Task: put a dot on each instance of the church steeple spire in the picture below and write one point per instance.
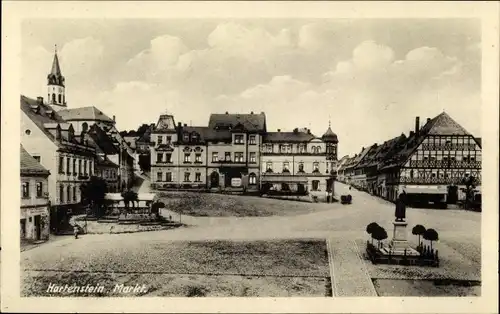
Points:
(55, 84)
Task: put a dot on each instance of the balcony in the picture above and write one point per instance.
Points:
(230, 163)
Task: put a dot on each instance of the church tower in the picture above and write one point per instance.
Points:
(56, 95)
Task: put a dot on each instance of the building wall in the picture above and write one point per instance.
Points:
(68, 179)
(34, 204)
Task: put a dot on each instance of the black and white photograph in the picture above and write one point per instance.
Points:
(250, 157)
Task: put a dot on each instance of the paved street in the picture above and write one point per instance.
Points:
(343, 225)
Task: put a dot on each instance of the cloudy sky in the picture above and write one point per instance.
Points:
(369, 77)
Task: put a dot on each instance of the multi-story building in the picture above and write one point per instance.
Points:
(354, 175)
(233, 150)
(52, 141)
(433, 163)
(299, 161)
(164, 153)
(107, 156)
(34, 199)
(340, 168)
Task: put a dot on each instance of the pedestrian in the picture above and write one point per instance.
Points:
(75, 230)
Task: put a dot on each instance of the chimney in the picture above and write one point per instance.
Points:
(251, 112)
(227, 112)
(39, 100)
(279, 130)
(428, 119)
(114, 118)
(185, 125)
(412, 133)
(417, 125)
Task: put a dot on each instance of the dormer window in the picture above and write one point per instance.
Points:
(194, 137)
(186, 137)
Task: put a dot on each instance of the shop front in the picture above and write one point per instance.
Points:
(34, 223)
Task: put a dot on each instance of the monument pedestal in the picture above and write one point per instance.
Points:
(399, 243)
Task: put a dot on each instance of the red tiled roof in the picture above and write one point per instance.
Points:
(30, 165)
(250, 122)
(90, 113)
(285, 137)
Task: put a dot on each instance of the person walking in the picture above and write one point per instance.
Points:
(75, 230)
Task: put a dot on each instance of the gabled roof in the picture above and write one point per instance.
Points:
(102, 140)
(479, 141)
(30, 165)
(442, 124)
(250, 122)
(105, 161)
(359, 157)
(201, 131)
(90, 113)
(287, 137)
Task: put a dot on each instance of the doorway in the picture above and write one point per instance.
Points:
(214, 179)
(23, 228)
(38, 230)
(452, 194)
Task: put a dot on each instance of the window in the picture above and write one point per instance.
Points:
(269, 166)
(54, 98)
(187, 157)
(74, 193)
(91, 168)
(301, 167)
(186, 176)
(26, 189)
(197, 177)
(197, 158)
(238, 157)
(68, 167)
(253, 157)
(411, 174)
(68, 194)
(159, 176)
(186, 137)
(160, 139)
(285, 148)
(39, 189)
(215, 157)
(85, 167)
(79, 166)
(61, 194)
(37, 158)
(61, 164)
(318, 149)
(302, 148)
(252, 178)
(227, 156)
(159, 157)
(238, 139)
(74, 167)
(194, 137)
(169, 139)
(315, 185)
(286, 166)
(59, 98)
(269, 148)
(251, 140)
(315, 166)
(168, 176)
(168, 157)
(472, 158)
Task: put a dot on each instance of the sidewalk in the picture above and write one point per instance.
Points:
(351, 278)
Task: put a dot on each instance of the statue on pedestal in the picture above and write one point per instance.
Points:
(401, 207)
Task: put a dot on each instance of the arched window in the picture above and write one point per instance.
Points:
(318, 149)
(53, 98)
(252, 178)
(60, 98)
(64, 99)
(85, 126)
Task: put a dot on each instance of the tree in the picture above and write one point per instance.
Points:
(431, 235)
(145, 162)
(129, 196)
(470, 186)
(379, 234)
(371, 227)
(93, 193)
(142, 129)
(418, 230)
